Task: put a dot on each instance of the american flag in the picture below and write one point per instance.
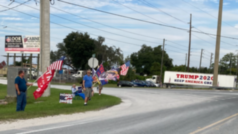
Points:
(57, 65)
(125, 68)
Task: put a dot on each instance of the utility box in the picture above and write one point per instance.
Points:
(12, 73)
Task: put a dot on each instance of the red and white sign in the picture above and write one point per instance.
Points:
(198, 79)
(43, 83)
(17, 44)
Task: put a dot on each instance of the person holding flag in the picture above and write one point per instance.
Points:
(44, 81)
(101, 75)
(21, 88)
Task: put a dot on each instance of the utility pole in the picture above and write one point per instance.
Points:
(186, 61)
(200, 65)
(230, 64)
(190, 39)
(218, 41)
(38, 65)
(31, 67)
(237, 71)
(161, 69)
(45, 39)
(7, 59)
(211, 60)
(14, 60)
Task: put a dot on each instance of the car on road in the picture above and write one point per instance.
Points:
(125, 84)
(150, 84)
(138, 83)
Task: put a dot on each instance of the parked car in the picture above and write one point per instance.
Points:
(148, 84)
(124, 84)
(151, 84)
(138, 83)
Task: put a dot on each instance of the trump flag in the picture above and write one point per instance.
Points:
(43, 83)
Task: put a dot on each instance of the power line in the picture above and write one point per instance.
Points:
(20, 30)
(137, 11)
(144, 20)
(194, 27)
(73, 28)
(175, 47)
(144, 1)
(206, 12)
(105, 24)
(15, 6)
(95, 27)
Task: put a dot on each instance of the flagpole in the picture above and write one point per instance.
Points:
(36, 80)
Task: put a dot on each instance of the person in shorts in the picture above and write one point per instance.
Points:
(100, 87)
(87, 86)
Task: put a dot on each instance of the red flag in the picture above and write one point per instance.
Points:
(3, 63)
(43, 83)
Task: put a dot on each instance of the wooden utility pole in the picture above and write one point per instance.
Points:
(7, 59)
(14, 60)
(237, 71)
(22, 57)
(186, 56)
(211, 60)
(161, 69)
(190, 39)
(38, 65)
(30, 66)
(218, 41)
(200, 65)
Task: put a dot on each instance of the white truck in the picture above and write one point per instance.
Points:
(32, 72)
(154, 79)
(79, 74)
(198, 79)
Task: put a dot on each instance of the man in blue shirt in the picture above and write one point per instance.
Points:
(21, 87)
(87, 86)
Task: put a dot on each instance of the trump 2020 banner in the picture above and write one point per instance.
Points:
(66, 98)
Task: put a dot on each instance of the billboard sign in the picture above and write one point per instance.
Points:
(198, 79)
(17, 44)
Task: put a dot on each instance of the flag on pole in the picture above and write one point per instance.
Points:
(43, 83)
(125, 68)
(57, 65)
(102, 75)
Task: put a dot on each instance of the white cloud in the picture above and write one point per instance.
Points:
(201, 21)
(11, 18)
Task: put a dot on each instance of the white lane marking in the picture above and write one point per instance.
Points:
(39, 130)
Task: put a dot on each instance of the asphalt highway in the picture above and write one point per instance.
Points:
(154, 111)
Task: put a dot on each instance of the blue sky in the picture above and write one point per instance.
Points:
(180, 9)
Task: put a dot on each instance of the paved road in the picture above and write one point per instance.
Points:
(153, 111)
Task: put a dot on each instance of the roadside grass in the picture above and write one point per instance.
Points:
(49, 106)
(3, 91)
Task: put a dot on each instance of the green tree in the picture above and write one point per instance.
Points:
(146, 56)
(155, 68)
(79, 47)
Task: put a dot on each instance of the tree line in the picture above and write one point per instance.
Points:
(79, 47)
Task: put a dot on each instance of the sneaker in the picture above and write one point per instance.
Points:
(85, 104)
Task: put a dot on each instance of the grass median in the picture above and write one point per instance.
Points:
(48, 106)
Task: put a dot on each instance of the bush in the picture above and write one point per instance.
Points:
(138, 77)
(5, 75)
(112, 82)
